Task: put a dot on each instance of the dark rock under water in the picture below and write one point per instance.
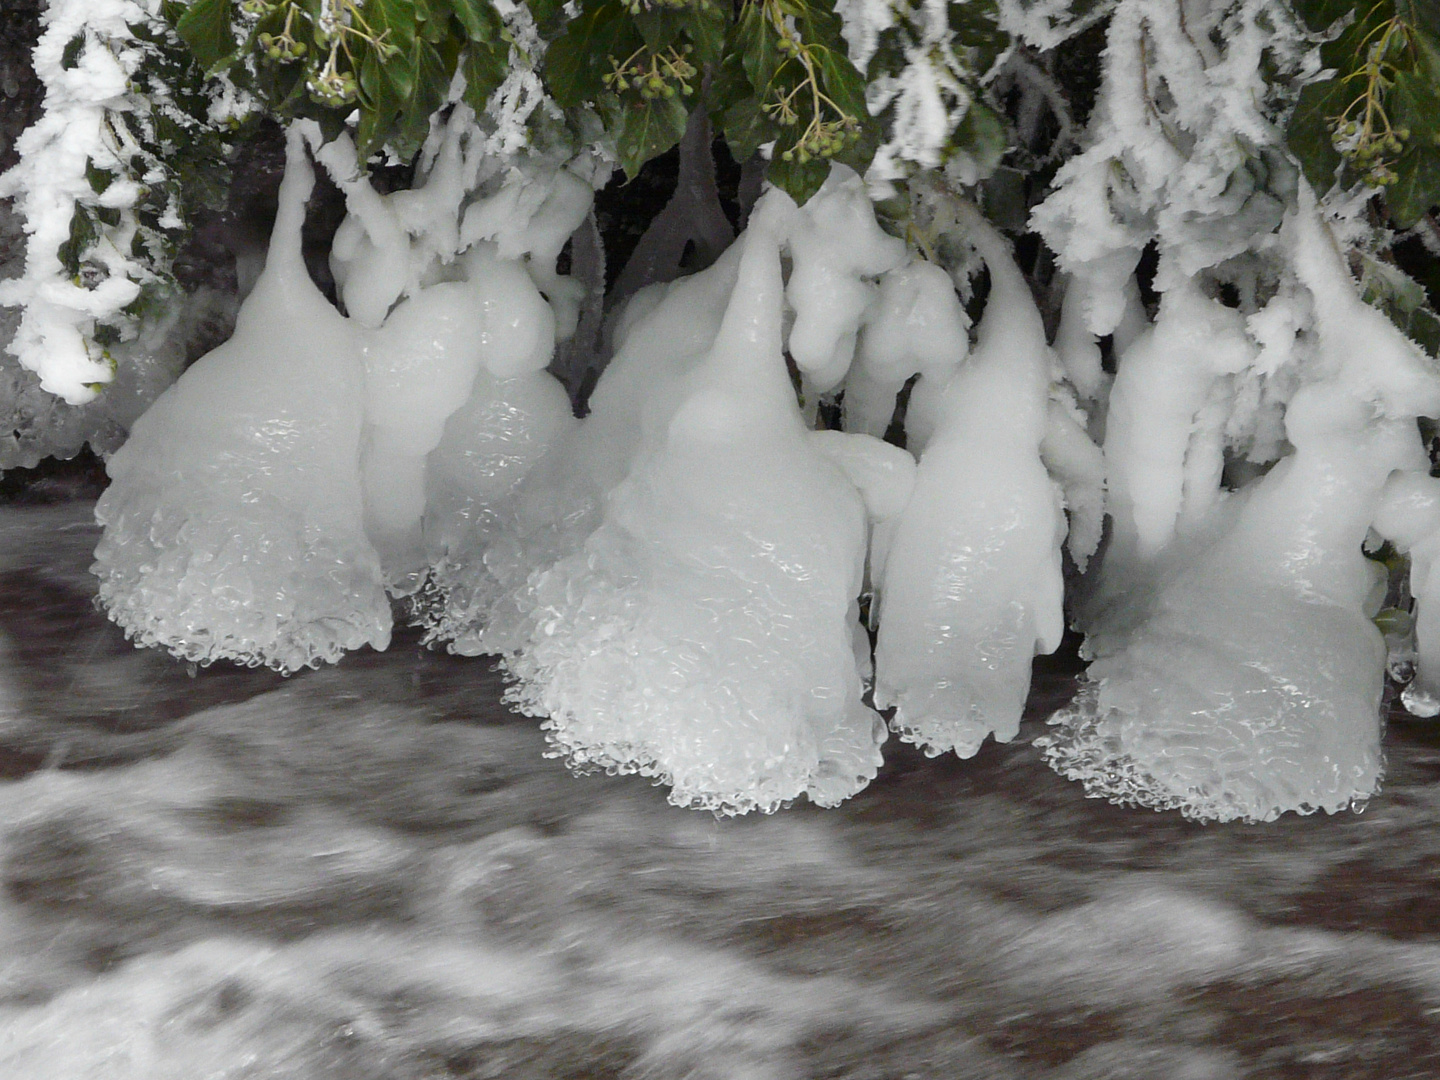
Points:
(371, 872)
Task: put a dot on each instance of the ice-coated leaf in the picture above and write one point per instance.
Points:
(976, 26)
(982, 134)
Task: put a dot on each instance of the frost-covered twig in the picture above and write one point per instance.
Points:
(100, 203)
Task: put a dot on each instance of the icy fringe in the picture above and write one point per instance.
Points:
(89, 158)
(1248, 449)
(264, 506)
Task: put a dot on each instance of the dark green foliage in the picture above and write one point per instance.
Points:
(1378, 117)
(768, 71)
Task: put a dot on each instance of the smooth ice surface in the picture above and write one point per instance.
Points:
(705, 632)
(490, 445)
(420, 366)
(835, 244)
(233, 523)
(1241, 676)
(664, 332)
(972, 579)
(915, 324)
(1163, 457)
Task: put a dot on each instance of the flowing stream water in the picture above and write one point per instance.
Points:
(371, 872)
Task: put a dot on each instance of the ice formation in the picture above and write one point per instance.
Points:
(272, 538)
(914, 326)
(234, 520)
(706, 633)
(89, 176)
(675, 583)
(972, 585)
(1237, 673)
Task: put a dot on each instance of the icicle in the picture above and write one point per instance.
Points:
(1153, 427)
(662, 334)
(370, 255)
(1244, 681)
(972, 583)
(233, 523)
(916, 324)
(835, 244)
(419, 368)
(705, 633)
(1079, 466)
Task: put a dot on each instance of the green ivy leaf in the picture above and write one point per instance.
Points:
(647, 130)
(485, 69)
(205, 27)
(754, 42)
(746, 128)
(380, 101)
(1309, 132)
(1415, 104)
(707, 29)
(799, 180)
(661, 28)
(577, 62)
(843, 83)
(480, 19)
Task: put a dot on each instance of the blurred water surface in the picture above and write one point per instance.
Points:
(371, 872)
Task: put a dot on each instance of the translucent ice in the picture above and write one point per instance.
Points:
(915, 324)
(972, 581)
(490, 445)
(835, 243)
(705, 633)
(233, 525)
(664, 332)
(419, 369)
(1243, 678)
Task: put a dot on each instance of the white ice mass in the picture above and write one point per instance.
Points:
(678, 582)
(1237, 673)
